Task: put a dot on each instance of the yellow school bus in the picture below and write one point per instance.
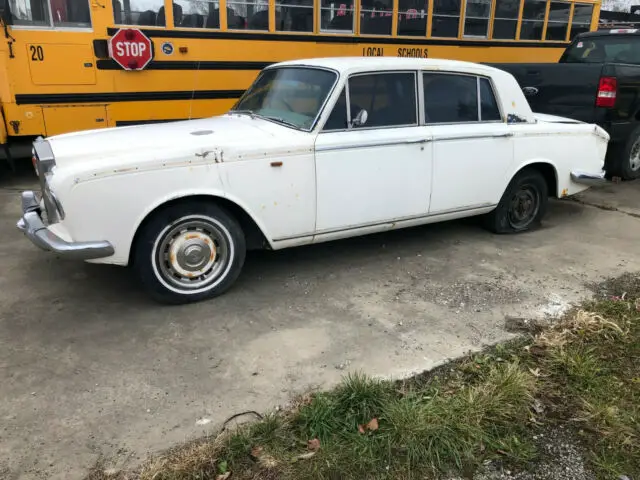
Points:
(58, 73)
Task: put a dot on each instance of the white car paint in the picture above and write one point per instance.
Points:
(329, 184)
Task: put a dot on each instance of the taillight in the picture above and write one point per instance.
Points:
(607, 91)
(34, 161)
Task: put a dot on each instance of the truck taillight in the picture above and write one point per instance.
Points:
(607, 91)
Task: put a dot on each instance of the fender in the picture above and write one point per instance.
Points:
(212, 193)
(534, 161)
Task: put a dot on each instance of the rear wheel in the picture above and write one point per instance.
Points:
(522, 205)
(189, 252)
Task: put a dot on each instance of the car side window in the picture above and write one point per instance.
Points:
(338, 118)
(489, 111)
(388, 98)
(450, 98)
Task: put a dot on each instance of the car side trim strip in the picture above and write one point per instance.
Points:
(373, 145)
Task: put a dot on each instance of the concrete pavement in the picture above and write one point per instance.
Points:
(90, 367)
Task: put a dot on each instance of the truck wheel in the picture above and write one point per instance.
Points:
(189, 252)
(522, 205)
(626, 162)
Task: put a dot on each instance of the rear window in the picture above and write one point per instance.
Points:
(616, 49)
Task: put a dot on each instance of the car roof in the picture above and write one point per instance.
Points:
(348, 65)
(611, 32)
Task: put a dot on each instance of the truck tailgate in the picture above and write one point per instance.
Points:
(563, 89)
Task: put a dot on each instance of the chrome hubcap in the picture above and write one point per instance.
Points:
(192, 253)
(634, 157)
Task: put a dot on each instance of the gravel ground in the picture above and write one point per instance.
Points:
(560, 458)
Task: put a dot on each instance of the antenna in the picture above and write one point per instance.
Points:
(193, 90)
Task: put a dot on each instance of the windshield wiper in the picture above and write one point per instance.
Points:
(253, 114)
(244, 112)
(281, 121)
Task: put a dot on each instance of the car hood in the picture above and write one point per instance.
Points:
(222, 138)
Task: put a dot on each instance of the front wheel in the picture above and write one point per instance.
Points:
(522, 205)
(189, 252)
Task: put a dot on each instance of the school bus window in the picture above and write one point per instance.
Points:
(446, 14)
(581, 22)
(147, 13)
(558, 21)
(56, 13)
(197, 14)
(476, 18)
(532, 19)
(376, 16)
(248, 15)
(32, 13)
(71, 13)
(294, 15)
(505, 22)
(336, 15)
(412, 17)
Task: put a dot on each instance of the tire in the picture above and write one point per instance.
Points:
(527, 191)
(189, 252)
(625, 161)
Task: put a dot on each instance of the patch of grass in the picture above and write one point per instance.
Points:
(582, 372)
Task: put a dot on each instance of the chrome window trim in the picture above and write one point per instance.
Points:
(479, 99)
(348, 98)
(310, 67)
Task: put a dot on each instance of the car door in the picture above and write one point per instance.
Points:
(378, 172)
(472, 146)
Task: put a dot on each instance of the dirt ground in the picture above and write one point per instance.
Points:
(89, 367)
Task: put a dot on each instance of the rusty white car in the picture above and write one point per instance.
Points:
(315, 150)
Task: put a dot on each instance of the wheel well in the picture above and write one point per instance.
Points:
(253, 235)
(549, 173)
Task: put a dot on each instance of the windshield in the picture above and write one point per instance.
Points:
(615, 48)
(289, 95)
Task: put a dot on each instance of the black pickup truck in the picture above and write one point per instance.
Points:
(597, 80)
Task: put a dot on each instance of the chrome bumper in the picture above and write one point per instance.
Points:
(33, 227)
(586, 178)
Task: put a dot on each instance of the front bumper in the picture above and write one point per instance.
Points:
(588, 178)
(33, 227)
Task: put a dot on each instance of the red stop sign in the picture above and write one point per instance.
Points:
(130, 48)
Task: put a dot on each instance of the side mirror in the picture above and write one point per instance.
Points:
(360, 119)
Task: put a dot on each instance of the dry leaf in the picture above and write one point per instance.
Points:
(535, 372)
(313, 444)
(256, 451)
(373, 425)
(224, 476)
(361, 428)
(306, 456)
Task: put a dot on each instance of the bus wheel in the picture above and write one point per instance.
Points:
(189, 252)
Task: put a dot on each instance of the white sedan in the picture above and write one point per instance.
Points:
(315, 150)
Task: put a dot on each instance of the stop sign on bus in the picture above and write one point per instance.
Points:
(131, 49)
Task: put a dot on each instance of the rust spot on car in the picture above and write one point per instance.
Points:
(191, 236)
